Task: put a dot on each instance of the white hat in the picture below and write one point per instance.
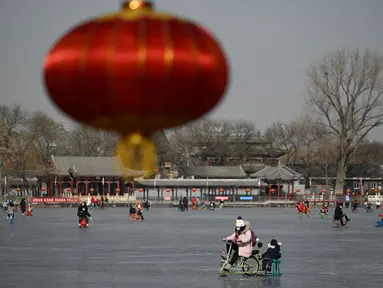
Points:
(239, 223)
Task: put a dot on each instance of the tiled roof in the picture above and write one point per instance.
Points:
(252, 168)
(233, 172)
(91, 166)
(279, 172)
(200, 183)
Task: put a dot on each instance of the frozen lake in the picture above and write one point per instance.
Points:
(175, 249)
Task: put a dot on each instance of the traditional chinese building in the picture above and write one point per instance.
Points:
(85, 175)
(216, 172)
(252, 154)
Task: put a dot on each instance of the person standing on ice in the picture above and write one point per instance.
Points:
(23, 205)
(10, 210)
(186, 203)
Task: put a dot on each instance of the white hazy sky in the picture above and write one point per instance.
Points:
(269, 43)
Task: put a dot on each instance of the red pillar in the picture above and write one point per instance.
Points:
(269, 193)
(288, 192)
(77, 188)
(50, 188)
(109, 186)
(60, 187)
(71, 187)
(86, 187)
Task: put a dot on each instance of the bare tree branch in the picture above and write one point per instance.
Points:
(345, 92)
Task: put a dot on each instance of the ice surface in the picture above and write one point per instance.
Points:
(182, 249)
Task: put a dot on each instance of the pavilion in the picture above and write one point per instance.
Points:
(276, 176)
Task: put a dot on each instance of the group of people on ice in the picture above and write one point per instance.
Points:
(241, 244)
(97, 203)
(9, 208)
(198, 204)
(183, 204)
(135, 211)
(368, 206)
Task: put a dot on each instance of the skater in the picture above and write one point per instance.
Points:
(139, 215)
(181, 206)
(347, 201)
(29, 210)
(185, 201)
(83, 213)
(324, 210)
(23, 205)
(369, 207)
(355, 206)
(377, 204)
(339, 216)
(10, 210)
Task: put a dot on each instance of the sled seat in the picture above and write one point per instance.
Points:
(276, 267)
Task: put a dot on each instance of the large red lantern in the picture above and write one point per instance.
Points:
(135, 72)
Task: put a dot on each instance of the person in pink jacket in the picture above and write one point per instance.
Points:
(241, 242)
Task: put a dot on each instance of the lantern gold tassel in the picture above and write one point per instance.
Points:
(137, 153)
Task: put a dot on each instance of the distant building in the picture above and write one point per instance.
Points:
(84, 175)
(360, 178)
(216, 172)
(253, 154)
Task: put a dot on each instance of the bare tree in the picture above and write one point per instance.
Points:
(299, 140)
(49, 135)
(211, 142)
(4, 141)
(85, 141)
(276, 136)
(345, 91)
(13, 117)
(23, 159)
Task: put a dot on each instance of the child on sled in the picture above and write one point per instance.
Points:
(302, 208)
(132, 212)
(339, 216)
(324, 210)
(273, 252)
(139, 215)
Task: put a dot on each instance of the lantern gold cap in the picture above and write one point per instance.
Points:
(137, 4)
